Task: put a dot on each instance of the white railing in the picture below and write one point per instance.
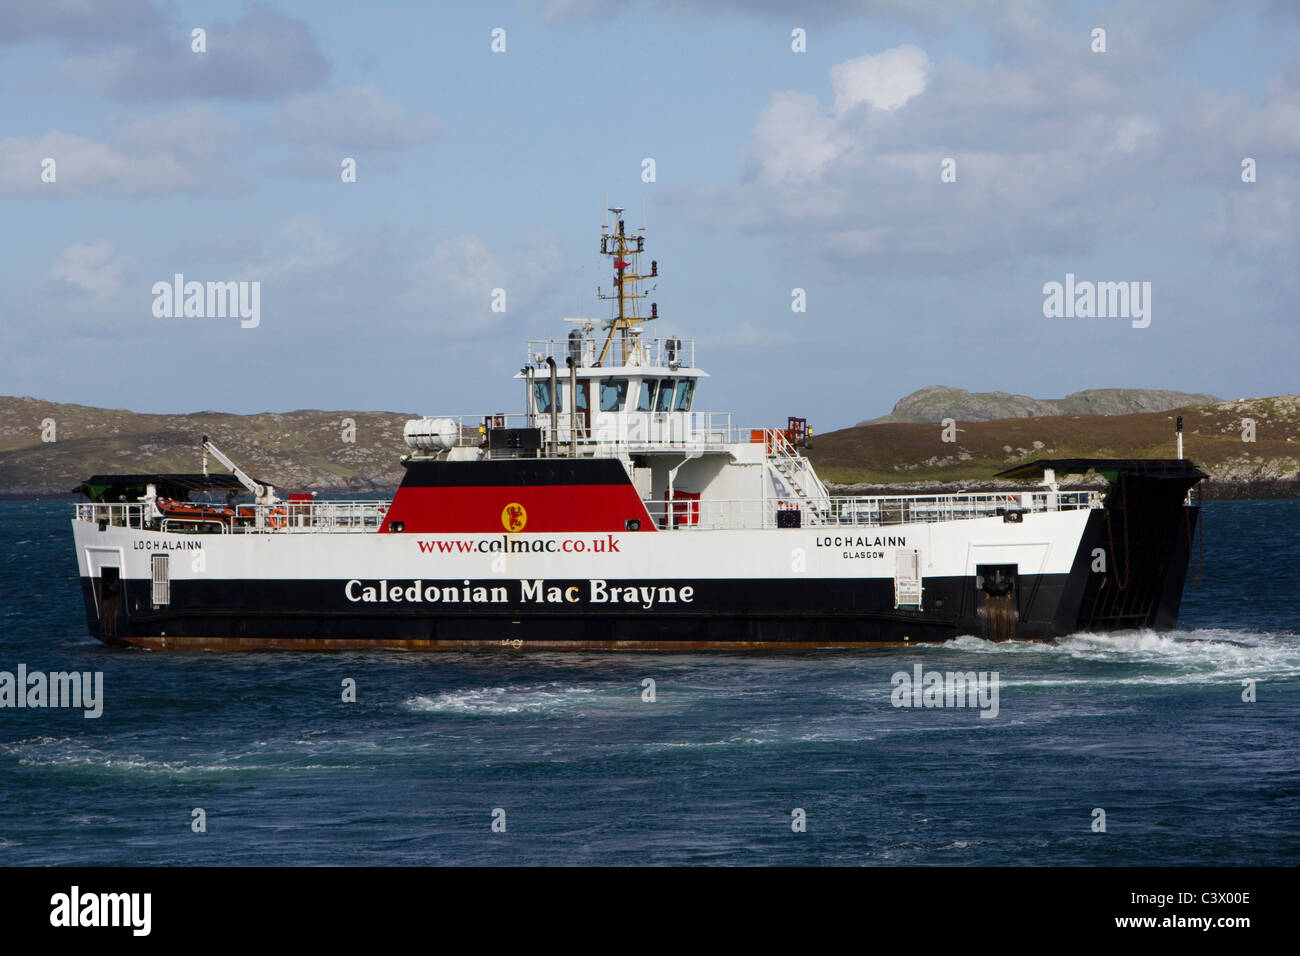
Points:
(667, 352)
(604, 431)
(930, 508)
(673, 429)
(118, 515)
(325, 515)
(833, 513)
(851, 512)
(286, 517)
(792, 469)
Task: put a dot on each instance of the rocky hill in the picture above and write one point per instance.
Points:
(914, 457)
(302, 450)
(310, 451)
(936, 402)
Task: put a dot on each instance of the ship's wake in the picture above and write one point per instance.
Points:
(1145, 656)
(495, 701)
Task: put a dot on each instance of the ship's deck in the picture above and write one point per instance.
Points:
(835, 512)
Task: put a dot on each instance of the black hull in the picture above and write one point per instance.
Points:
(316, 615)
(1128, 571)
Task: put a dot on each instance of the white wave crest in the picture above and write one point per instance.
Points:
(1167, 657)
(502, 700)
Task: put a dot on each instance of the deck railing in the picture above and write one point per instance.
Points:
(285, 517)
(663, 352)
(602, 432)
(861, 512)
(834, 513)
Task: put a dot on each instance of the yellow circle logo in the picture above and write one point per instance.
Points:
(514, 517)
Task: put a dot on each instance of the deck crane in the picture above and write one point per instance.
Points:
(263, 494)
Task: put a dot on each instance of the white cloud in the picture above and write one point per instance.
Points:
(1058, 153)
(316, 280)
(358, 117)
(77, 24)
(459, 277)
(85, 293)
(1258, 220)
(465, 268)
(923, 13)
(79, 163)
(884, 81)
(300, 246)
(183, 151)
(1131, 131)
(94, 267)
(559, 10)
(263, 55)
(794, 140)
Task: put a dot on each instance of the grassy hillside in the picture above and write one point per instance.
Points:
(305, 450)
(936, 402)
(295, 450)
(890, 453)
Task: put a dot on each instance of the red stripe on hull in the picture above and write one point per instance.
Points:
(545, 508)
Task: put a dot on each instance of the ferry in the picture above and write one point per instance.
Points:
(612, 512)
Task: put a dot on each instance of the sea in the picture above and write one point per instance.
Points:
(1136, 748)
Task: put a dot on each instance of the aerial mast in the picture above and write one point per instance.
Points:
(624, 249)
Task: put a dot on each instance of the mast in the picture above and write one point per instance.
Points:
(624, 249)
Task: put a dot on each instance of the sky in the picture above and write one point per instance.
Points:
(921, 170)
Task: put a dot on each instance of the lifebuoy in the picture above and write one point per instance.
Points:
(275, 518)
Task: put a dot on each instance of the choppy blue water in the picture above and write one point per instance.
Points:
(1149, 727)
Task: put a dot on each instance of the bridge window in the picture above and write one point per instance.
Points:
(612, 393)
(647, 400)
(542, 397)
(665, 401)
(685, 388)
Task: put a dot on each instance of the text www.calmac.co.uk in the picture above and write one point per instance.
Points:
(505, 545)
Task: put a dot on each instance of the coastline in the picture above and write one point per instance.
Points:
(1212, 489)
(1259, 489)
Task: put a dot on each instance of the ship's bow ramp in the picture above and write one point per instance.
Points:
(1134, 554)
